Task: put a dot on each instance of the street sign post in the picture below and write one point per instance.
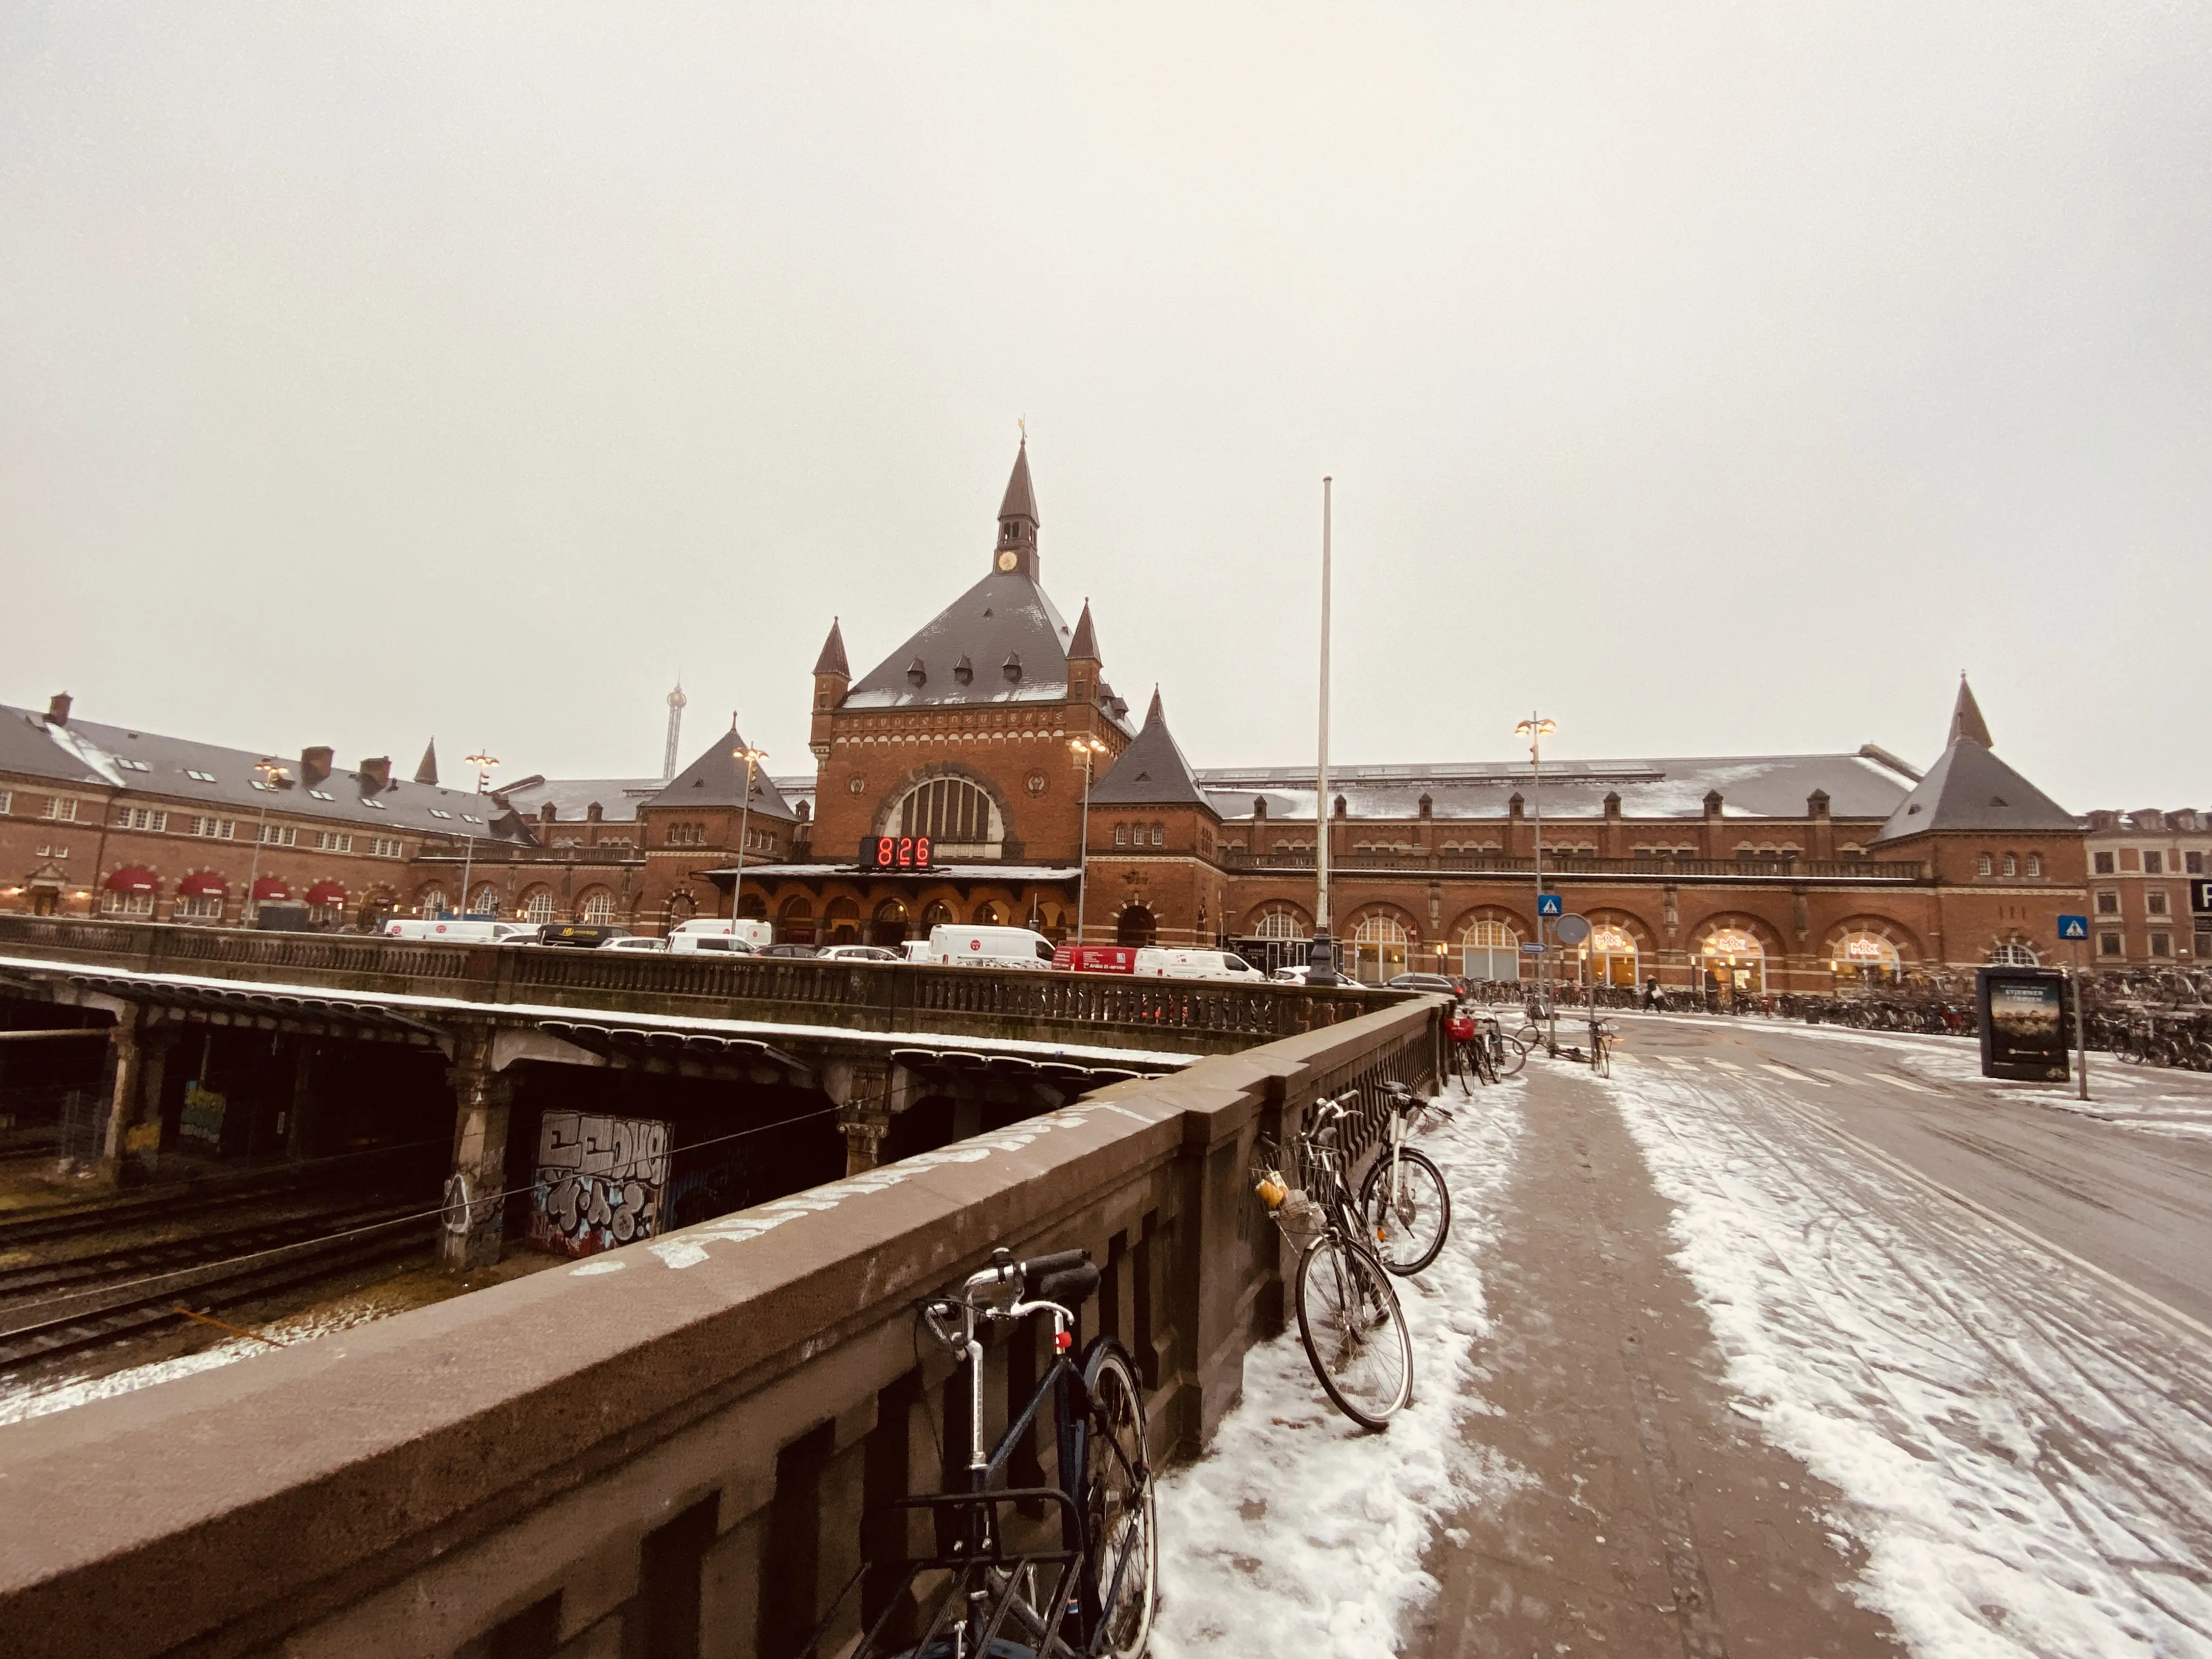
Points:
(2075, 929)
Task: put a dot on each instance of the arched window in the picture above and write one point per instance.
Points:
(1121, 834)
(937, 914)
(431, 902)
(1489, 949)
(1378, 951)
(1982, 865)
(1611, 955)
(1732, 957)
(484, 902)
(1866, 957)
(987, 914)
(795, 921)
(888, 926)
(2011, 865)
(1159, 835)
(2013, 954)
(1135, 926)
(842, 922)
(953, 812)
(599, 910)
(2035, 863)
(538, 907)
(1279, 923)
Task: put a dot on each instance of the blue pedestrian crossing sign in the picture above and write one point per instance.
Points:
(1549, 904)
(2073, 926)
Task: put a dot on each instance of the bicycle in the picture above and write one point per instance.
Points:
(1404, 1200)
(1093, 1596)
(1602, 1038)
(1354, 1332)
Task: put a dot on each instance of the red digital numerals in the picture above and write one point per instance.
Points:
(902, 852)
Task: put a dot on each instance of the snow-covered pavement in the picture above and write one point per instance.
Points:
(2023, 1450)
(1298, 1533)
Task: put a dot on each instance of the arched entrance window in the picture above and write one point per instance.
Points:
(1611, 955)
(1135, 926)
(682, 907)
(484, 902)
(987, 914)
(936, 914)
(1051, 919)
(430, 902)
(1862, 958)
(598, 908)
(888, 927)
(1378, 951)
(538, 906)
(1280, 924)
(841, 921)
(1733, 959)
(753, 908)
(954, 814)
(2013, 954)
(1489, 949)
(794, 923)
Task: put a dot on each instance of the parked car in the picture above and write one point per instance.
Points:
(1160, 963)
(1295, 974)
(633, 942)
(1435, 983)
(455, 930)
(915, 950)
(753, 935)
(989, 947)
(807, 951)
(684, 944)
(861, 953)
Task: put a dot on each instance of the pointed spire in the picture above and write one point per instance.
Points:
(428, 771)
(1966, 719)
(832, 659)
(1017, 551)
(1155, 715)
(1084, 647)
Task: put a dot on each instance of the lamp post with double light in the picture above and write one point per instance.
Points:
(1085, 751)
(270, 775)
(484, 763)
(750, 758)
(1536, 728)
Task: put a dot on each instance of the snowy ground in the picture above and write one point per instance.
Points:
(1298, 1534)
(2025, 1454)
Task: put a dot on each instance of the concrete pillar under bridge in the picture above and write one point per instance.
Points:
(476, 1191)
(867, 1094)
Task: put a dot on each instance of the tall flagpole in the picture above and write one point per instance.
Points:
(1323, 957)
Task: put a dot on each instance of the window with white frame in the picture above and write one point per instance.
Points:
(1121, 834)
(599, 910)
(2155, 902)
(112, 903)
(2153, 864)
(7, 800)
(62, 809)
(141, 818)
(2104, 862)
(198, 907)
(2011, 865)
(2161, 944)
(538, 907)
(1983, 865)
(331, 841)
(2035, 863)
(2108, 903)
(2108, 944)
(279, 835)
(199, 777)
(385, 847)
(215, 828)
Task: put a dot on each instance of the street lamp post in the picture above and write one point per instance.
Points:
(1085, 750)
(269, 772)
(1536, 728)
(484, 763)
(751, 758)
(1320, 960)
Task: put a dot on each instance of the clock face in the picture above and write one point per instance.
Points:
(1008, 560)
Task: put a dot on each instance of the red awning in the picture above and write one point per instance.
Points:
(326, 892)
(270, 887)
(132, 878)
(200, 881)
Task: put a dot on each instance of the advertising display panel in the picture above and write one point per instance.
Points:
(2023, 1024)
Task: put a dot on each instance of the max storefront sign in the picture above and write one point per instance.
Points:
(600, 1181)
(2023, 1024)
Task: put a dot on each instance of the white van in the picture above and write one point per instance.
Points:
(1153, 963)
(456, 930)
(714, 934)
(989, 947)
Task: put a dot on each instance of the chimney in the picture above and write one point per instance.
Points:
(1816, 804)
(315, 765)
(375, 774)
(1428, 806)
(57, 708)
(1342, 810)
(547, 813)
(1259, 809)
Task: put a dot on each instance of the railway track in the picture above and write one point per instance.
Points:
(149, 1284)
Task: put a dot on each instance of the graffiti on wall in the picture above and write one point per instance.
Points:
(600, 1181)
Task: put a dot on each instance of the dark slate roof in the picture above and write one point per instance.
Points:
(1966, 719)
(714, 779)
(832, 659)
(147, 763)
(1152, 771)
(1750, 787)
(572, 797)
(1005, 614)
(1971, 789)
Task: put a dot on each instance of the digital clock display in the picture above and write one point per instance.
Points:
(895, 852)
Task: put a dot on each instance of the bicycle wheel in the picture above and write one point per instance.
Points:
(1354, 1332)
(1121, 1527)
(1601, 1057)
(1409, 1230)
(1507, 1058)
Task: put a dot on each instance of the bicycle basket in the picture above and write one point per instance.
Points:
(1281, 1177)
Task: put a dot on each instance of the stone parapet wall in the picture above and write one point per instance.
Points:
(694, 1421)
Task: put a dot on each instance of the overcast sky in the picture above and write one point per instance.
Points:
(1721, 379)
